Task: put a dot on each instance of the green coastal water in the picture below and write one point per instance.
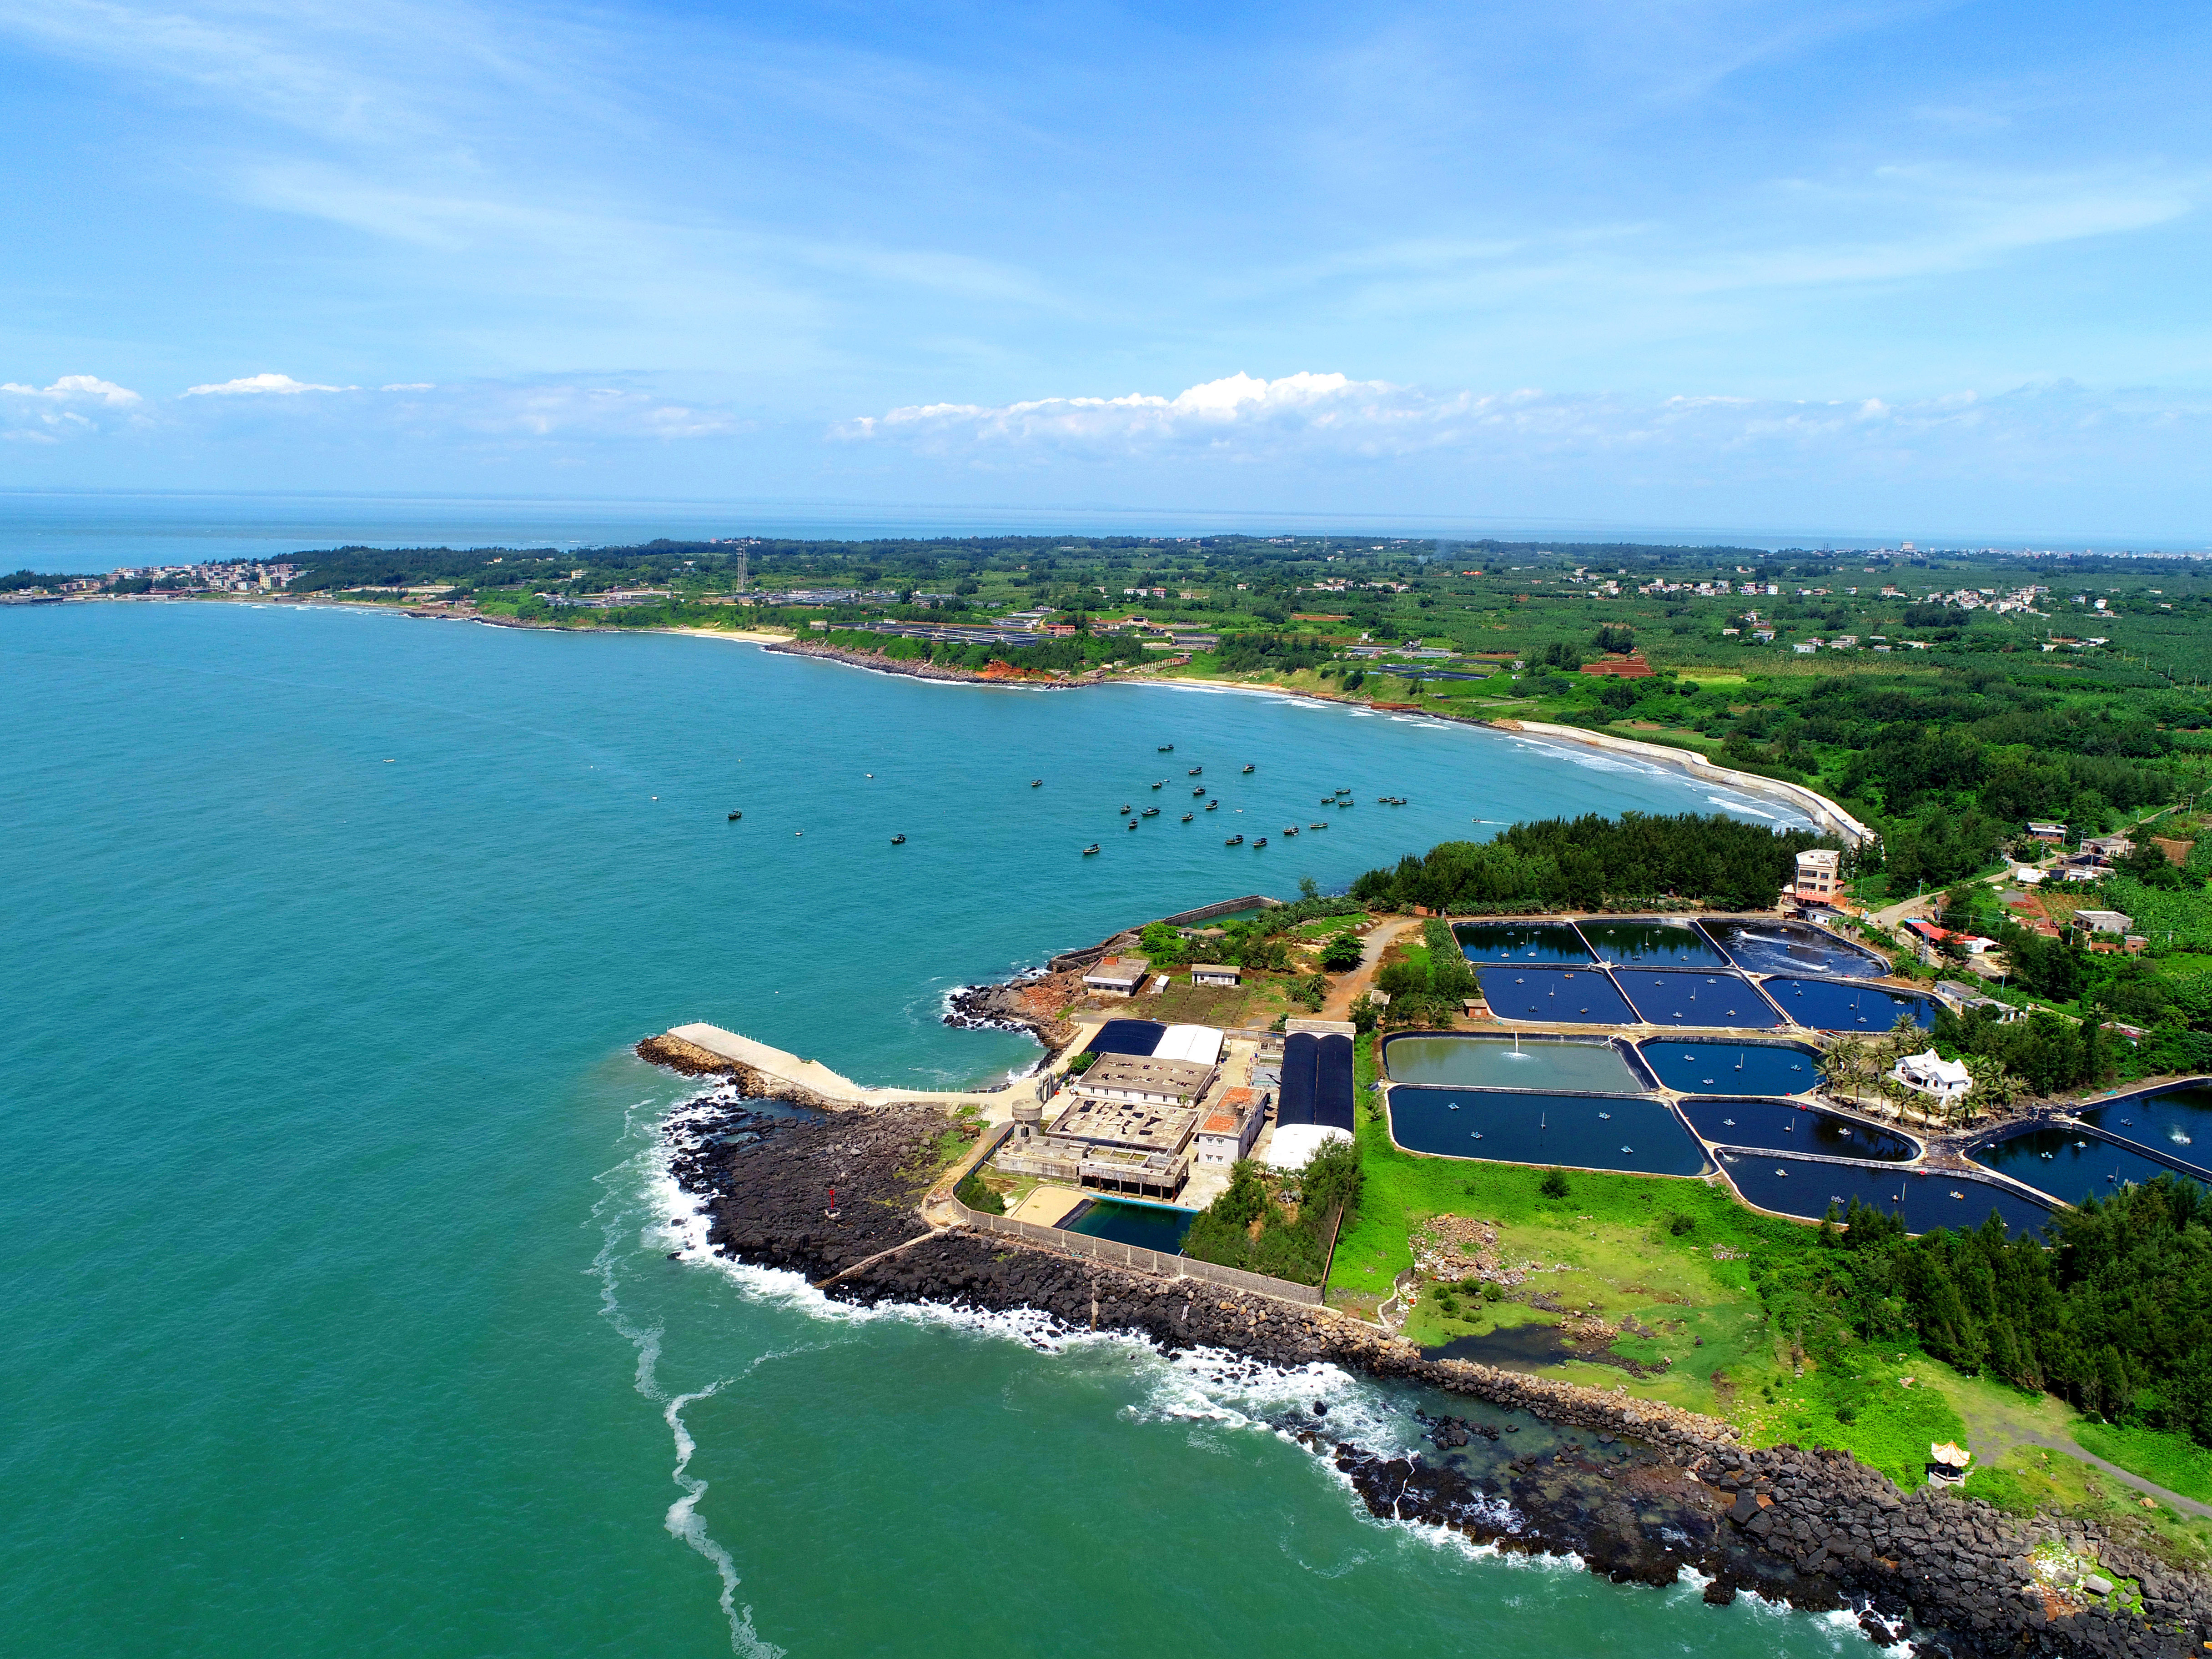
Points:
(338, 1314)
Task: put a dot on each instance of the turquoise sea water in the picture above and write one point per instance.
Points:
(338, 1318)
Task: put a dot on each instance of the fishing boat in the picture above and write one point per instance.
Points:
(1126, 808)
(1194, 771)
(1234, 841)
(1034, 783)
(1258, 844)
(1151, 812)
(1322, 824)
(734, 817)
(1248, 768)
(1089, 850)
(1132, 824)
(1187, 817)
(898, 841)
(1161, 784)
(1167, 748)
(1213, 806)
(1196, 792)
(1289, 828)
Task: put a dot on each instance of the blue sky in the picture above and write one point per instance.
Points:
(1902, 269)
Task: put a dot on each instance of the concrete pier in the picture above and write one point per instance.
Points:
(786, 1075)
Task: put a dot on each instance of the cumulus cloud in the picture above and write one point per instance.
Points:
(251, 386)
(77, 388)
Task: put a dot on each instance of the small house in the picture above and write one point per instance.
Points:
(1114, 978)
(1226, 1132)
(2104, 922)
(1932, 1075)
(2053, 833)
(1215, 972)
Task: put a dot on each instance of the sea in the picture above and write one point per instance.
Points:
(338, 1309)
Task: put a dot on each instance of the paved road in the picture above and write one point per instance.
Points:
(1990, 1440)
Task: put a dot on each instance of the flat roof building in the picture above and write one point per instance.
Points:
(1819, 877)
(1114, 978)
(1214, 973)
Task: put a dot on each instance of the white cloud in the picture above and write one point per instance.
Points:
(1315, 420)
(412, 385)
(250, 386)
(77, 388)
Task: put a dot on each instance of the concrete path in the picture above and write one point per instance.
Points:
(813, 1076)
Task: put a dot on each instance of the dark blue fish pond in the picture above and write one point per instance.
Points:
(1148, 1226)
(1927, 1199)
(1673, 997)
(1785, 947)
(1566, 996)
(1695, 1066)
(1653, 943)
(1521, 941)
(2176, 1124)
(1783, 1125)
(2069, 1164)
(1828, 1004)
(1633, 1133)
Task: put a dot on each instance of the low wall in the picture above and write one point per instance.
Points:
(1226, 907)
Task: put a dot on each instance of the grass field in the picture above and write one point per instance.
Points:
(2035, 1480)
(2173, 1460)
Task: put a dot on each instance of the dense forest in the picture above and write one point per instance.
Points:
(2115, 1315)
(1589, 862)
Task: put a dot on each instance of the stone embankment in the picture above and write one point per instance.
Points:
(1638, 1489)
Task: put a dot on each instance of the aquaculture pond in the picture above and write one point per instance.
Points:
(1782, 947)
(1827, 1005)
(1503, 1062)
(1568, 996)
(1634, 1133)
(1785, 1126)
(1148, 1226)
(1521, 941)
(1653, 943)
(1696, 1066)
(2069, 1164)
(1805, 1187)
(1670, 996)
(2176, 1122)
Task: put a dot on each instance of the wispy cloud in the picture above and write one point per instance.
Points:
(74, 406)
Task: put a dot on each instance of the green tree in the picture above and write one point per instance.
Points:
(1343, 953)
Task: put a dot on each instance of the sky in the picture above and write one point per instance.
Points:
(1889, 269)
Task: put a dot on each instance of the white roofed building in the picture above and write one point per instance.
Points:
(1930, 1073)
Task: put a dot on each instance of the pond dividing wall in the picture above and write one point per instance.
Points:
(1699, 1066)
(1634, 1134)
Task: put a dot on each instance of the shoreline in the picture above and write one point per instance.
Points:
(1638, 1490)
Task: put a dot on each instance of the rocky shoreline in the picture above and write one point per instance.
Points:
(1639, 1491)
(1036, 1002)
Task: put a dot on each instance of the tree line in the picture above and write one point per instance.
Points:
(1589, 862)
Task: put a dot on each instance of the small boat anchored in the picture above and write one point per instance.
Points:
(1089, 850)
(1258, 844)
(1234, 841)
(1151, 812)
(1167, 748)
(1194, 771)
(1289, 828)
(1323, 825)
(1187, 817)
(1034, 783)
(1196, 792)
(734, 817)
(898, 841)
(1213, 806)
(1248, 768)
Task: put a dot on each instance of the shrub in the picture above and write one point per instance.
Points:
(975, 1196)
(1679, 1225)
(1554, 1184)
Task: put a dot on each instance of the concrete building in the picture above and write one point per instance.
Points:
(1819, 877)
(1212, 972)
(2104, 922)
(1114, 978)
(1226, 1132)
(2053, 833)
(1144, 1080)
